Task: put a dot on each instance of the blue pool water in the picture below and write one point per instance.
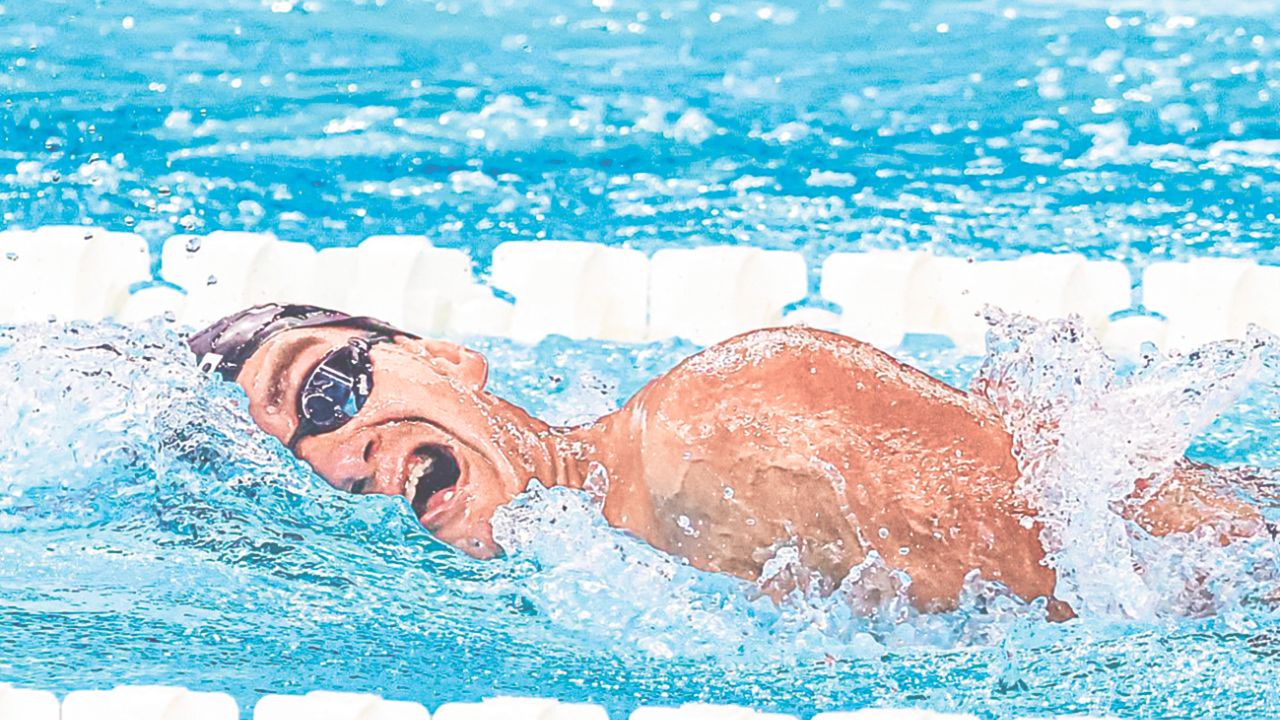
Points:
(149, 535)
(983, 127)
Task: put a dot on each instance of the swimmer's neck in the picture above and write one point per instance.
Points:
(571, 456)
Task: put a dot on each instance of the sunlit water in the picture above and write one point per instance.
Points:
(149, 534)
(1121, 129)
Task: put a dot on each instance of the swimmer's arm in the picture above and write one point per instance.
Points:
(1194, 496)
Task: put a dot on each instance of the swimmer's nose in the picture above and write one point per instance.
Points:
(342, 464)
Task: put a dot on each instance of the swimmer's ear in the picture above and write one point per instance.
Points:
(458, 362)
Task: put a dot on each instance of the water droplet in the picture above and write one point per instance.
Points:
(686, 525)
(88, 236)
(170, 316)
(189, 222)
(884, 533)
(53, 144)
(193, 244)
(213, 280)
(11, 256)
(904, 550)
(163, 191)
(728, 493)
(130, 221)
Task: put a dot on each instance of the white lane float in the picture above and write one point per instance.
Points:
(148, 702)
(328, 705)
(576, 289)
(708, 294)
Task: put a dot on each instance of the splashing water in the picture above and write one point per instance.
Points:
(150, 533)
(1085, 436)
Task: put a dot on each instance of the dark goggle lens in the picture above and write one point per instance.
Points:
(337, 388)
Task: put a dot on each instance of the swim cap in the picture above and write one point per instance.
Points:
(226, 345)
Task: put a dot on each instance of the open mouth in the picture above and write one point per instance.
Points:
(433, 470)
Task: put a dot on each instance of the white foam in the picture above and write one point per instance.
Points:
(1062, 400)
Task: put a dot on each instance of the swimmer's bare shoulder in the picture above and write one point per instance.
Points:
(796, 374)
(795, 434)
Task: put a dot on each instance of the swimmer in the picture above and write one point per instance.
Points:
(788, 436)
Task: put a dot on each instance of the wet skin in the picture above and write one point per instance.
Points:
(787, 437)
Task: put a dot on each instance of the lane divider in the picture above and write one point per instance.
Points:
(26, 704)
(586, 290)
(580, 290)
(514, 708)
(153, 702)
(324, 705)
(148, 702)
(708, 294)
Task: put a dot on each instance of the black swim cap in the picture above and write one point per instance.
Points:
(226, 345)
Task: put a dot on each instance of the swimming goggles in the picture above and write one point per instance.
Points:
(336, 389)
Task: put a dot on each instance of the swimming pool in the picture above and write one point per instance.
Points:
(150, 535)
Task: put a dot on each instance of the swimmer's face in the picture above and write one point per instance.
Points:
(428, 431)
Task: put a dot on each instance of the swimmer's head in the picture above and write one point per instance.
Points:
(374, 409)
